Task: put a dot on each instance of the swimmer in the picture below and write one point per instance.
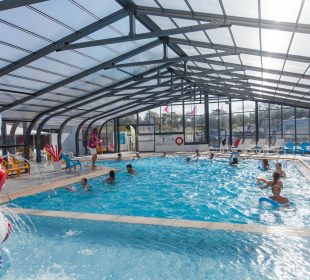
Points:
(111, 178)
(234, 162)
(164, 154)
(137, 156)
(211, 156)
(119, 156)
(276, 186)
(279, 170)
(188, 159)
(85, 185)
(130, 169)
(265, 164)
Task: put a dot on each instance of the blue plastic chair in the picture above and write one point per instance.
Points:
(303, 148)
(289, 147)
(71, 162)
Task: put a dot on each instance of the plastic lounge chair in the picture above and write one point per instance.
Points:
(276, 148)
(236, 144)
(302, 148)
(260, 145)
(245, 146)
(11, 168)
(289, 147)
(20, 163)
(71, 162)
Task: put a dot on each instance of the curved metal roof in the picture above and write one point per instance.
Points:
(67, 60)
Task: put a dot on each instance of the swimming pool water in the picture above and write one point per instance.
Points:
(78, 249)
(170, 188)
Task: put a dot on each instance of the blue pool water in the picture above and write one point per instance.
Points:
(170, 188)
(79, 249)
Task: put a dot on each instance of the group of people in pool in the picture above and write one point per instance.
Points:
(276, 184)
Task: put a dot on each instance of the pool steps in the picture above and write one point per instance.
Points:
(246, 228)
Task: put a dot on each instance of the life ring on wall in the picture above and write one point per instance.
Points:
(179, 140)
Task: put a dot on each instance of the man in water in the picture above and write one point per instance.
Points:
(119, 156)
(130, 169)
(279, 170)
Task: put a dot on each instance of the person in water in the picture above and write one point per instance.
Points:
(85, 185)
(265, 164)
(130, 169)
(137, 155)
(164, 154)
(197, 154)
(234, 162)
(119, 156)
(211, 156)
(187, 160)
(111, 178)
(276, 187)
(279, 170)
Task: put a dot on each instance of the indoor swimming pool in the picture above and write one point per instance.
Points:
(79, 249)
(171, 188)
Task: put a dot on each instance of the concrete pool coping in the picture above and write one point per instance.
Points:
(245, 228)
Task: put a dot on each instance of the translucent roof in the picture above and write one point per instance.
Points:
(90, 61)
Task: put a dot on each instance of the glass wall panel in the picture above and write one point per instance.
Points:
(177, 118)
(289, 128)
(302, 125)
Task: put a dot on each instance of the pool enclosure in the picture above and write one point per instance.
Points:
(207, 70)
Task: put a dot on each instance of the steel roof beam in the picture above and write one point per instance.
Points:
(142, 36)
(83, 74)
(174, 60)
(234, 20)
(68, 39)
(11, 4)
(241, 50)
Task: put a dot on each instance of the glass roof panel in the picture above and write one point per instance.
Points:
(37, 74)
(289, 79)
(302, 89)
(175, 4)
(35, 22)
(300, 44)
(10, 53)
(305, 14)
(21, 39)
(73, 58)
(53, 66)
(249, 8)
(295, 66)
(147, 3)
(66, 12)
(231, 59)
(197, 36)
(275, 40)
(251, 60)
(272, 63)
(163, 22)
(206, 6)
(280, 10)
(22, 82)
(220, 36)
(270, 76)
(246, 37)
(186, 22)
(189, 50)
(205, 50)
(100, 8)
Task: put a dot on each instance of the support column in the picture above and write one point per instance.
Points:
(256, 121)
(207, 133)
(230, 122)
(3, 135)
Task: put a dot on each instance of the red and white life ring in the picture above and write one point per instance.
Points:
(179, 140)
